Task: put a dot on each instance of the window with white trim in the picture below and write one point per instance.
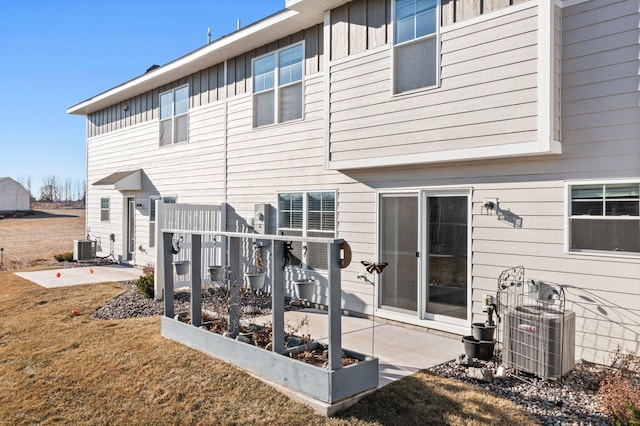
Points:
(104, 209)
(174, 115)
(277, 86)
(308, 214)
(152, 215)
(415, 44)
(604, 217)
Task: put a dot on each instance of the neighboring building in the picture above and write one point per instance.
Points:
(13, 196)
(394, 124)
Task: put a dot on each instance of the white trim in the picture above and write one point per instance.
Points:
(491, 15)
(476, 153)
(567, 219)
(277, 87)
(327, 88)
(239, 42)
(438, 322)
(568, 3)
(545, 77)
(436, 35)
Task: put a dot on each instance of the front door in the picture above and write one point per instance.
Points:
(130, 224)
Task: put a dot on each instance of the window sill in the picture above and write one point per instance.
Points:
(611, 254)
(284, 123)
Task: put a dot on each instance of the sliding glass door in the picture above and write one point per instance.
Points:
(424, 237)
(398, 247)
(447, 241)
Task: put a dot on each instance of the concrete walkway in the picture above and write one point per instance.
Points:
(53, 278)
(401, 351)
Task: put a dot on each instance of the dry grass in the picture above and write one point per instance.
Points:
(34, 239)
(59, 368)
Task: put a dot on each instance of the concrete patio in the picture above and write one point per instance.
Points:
(52, 278)
(401, 351)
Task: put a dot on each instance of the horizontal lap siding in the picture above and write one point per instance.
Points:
(173, 171)
(487, 95)
(290, 157)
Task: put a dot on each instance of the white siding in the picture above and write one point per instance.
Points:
(13, 196)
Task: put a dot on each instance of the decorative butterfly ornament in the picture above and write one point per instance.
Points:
(372, 267)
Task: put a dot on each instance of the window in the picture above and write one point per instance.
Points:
(416, 44)
(104, 209)
(605, 217)
(174, 116)
(310, 214)
(152, 215)
(277, 86)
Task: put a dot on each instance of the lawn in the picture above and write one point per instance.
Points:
(56, 367)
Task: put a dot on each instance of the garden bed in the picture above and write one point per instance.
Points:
(329, 386)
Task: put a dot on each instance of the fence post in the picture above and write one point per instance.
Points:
(167, 268)
(196, 280)
(335, 307)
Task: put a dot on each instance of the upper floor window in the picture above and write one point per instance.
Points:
(174, 116)
(416, 44)
(277, 86)
(104, 209)
(308, 214)
(605, 217)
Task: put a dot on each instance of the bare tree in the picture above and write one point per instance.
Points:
(50, 189)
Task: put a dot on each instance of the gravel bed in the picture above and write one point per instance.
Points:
(571, 401)
(131, 304)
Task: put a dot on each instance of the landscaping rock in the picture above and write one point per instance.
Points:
(462, 359)
(482, 374)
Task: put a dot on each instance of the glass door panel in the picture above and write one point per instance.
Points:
(447, 245)
(131, 215)
(398, 247)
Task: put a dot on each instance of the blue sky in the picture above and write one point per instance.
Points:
(55, 54)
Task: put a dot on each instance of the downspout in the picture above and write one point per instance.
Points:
(225, 139)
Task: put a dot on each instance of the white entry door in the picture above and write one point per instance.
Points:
(130, 231)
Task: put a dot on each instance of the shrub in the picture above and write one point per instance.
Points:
(145, 285)
(67, 256)
(620, 393)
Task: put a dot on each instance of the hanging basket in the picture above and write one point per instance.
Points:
(255, 279)
(305, 289)
(182, 267)
(217, 273)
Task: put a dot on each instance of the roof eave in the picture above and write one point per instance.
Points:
(300, 14)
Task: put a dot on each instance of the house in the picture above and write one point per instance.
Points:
(13, 196)
(452, 139)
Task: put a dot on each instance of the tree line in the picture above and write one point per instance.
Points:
(55, 189)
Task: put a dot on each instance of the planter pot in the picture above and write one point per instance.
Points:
(255, 280)
(182, 267)
(217, 273)
(482, 331)
(479, 349)
(305, 289)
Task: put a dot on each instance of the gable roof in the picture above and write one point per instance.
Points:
(297, 16)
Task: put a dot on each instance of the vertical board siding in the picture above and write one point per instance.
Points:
(487, 95)
(205, 86)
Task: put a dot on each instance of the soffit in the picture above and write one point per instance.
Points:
(299, 15)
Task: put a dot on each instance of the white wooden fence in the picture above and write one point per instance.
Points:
(194, 217)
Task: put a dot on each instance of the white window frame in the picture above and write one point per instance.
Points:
(104, 210)
(395, 45)
(169, 199)
(277, 87)
(305, 217)
(174, 117)
(569, 218)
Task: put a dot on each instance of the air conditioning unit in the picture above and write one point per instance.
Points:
(540, 340)
(84, 250)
